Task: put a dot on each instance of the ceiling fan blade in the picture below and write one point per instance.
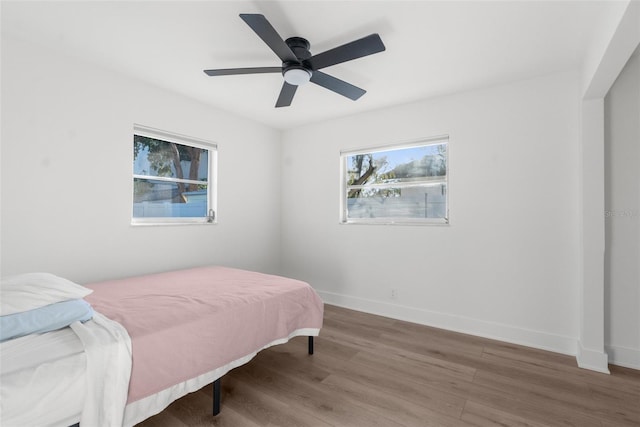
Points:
(353, 50)
(286, 95)
(233, 71)
(269, 35)
(336, 85)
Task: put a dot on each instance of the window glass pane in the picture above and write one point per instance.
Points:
(154, 157)
(420, 201)
(156, 199)
(394, 166)
(405, 184)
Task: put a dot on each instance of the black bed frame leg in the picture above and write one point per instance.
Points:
(216, 397)
(217, 383)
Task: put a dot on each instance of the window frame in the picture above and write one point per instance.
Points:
(344, 188)
(212, 181)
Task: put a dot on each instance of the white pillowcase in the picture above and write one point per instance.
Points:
(34, 290)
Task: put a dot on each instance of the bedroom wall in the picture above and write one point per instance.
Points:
(67, 165)
(622, 219)
(506, 267)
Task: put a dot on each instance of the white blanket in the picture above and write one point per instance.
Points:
(62, 377)
(108, 349)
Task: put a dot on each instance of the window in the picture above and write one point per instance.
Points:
(173, 178)
(400, 184)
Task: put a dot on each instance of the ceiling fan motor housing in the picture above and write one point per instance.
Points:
(300, 47)
(299, 72)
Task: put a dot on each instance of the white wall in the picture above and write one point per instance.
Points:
(622, 222)
(67, 165)
(505, 267)
(605, 60)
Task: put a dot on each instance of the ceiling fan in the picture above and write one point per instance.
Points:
(299, 66)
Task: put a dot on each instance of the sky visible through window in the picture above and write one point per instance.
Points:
(426, 160)
(406, 155)
(396, 157)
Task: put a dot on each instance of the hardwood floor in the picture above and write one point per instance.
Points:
(374, 371)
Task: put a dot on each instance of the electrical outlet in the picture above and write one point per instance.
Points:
(394, 294)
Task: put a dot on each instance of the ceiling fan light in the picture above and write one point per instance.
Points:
(297, 76)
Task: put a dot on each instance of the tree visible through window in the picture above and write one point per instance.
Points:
(171, 178)
(400, 184)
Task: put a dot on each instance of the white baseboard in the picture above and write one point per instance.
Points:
(623, 356)
(466, 325)
(593, 360)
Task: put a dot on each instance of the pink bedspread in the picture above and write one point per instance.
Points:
(186, 323)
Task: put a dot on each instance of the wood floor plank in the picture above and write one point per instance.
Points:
(246, 395)
(375, 371)
(567, 406)
(406, 412)
(418, 332)
(376, 376)
(165, 418)
(558, 365)
(484, 416)
(615, 405)
(299, 391)
(402, 362)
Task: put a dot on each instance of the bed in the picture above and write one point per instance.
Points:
(169, 334)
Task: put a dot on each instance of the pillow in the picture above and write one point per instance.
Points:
(34, 290)
(44, 319)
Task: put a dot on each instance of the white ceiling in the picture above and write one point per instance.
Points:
(433, 47)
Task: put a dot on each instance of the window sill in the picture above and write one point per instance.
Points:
(155, 222)
(434, 221)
